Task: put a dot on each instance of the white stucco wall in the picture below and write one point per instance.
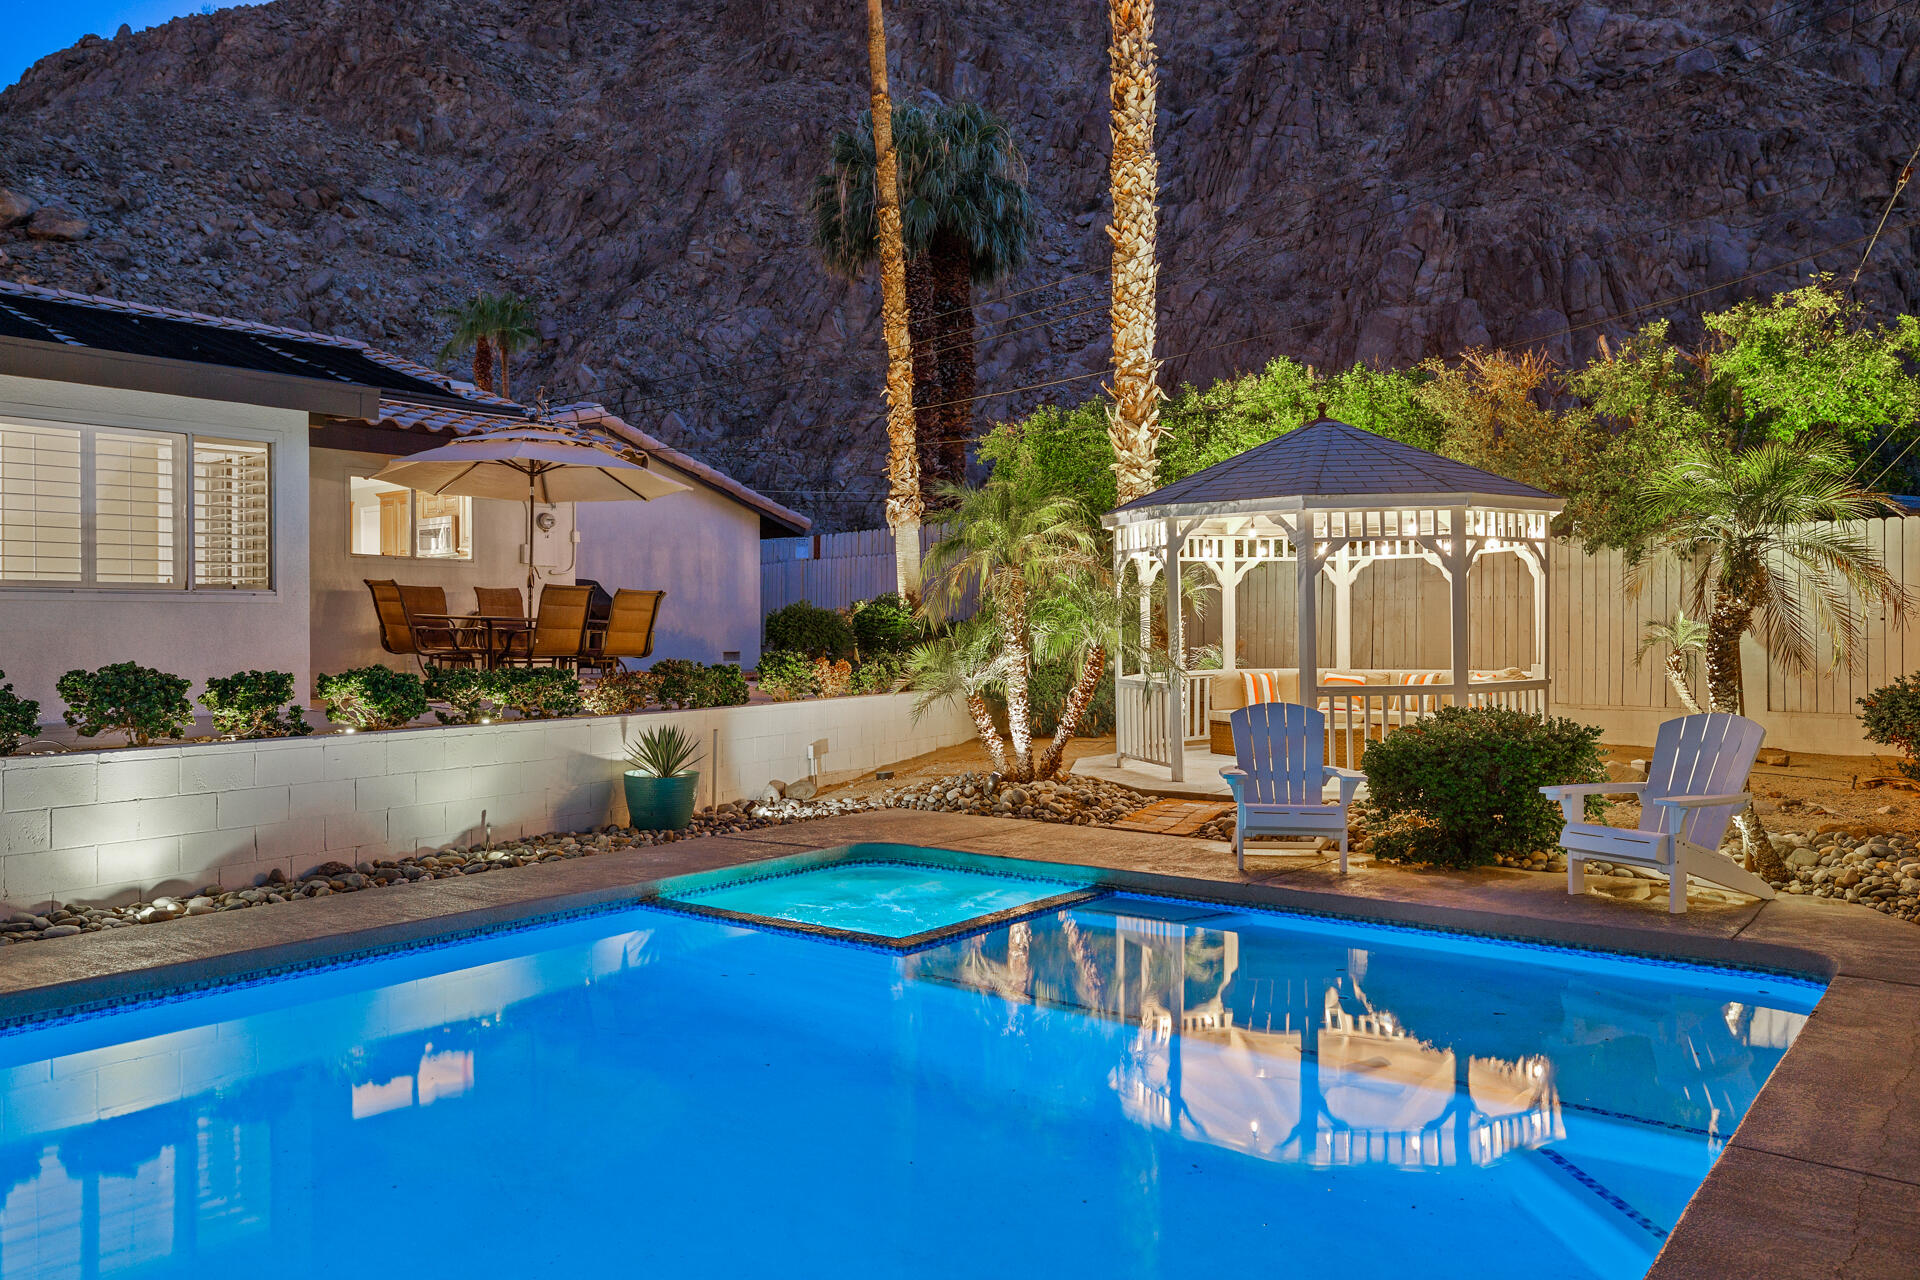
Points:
(345, 633)
(119, 825)
(700, 547)
(47, 631)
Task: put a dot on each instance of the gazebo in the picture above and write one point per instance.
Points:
(1447, 544)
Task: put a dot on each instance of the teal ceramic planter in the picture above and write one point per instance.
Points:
(660, 804)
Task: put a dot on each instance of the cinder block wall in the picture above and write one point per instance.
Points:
(120, 825)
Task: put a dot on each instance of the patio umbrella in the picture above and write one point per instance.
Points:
(535, 463)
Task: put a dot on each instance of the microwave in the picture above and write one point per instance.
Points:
(434, 537)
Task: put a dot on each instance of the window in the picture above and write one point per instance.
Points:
(109, 507)
(388, 520)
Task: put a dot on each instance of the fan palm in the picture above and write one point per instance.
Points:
(496, 326)
(1010, 544)
(1763, 539)
(966, 219)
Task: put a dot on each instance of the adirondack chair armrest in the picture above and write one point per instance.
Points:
(1350, 780)
(1702, 802)
(1571, 796)
(1236, 779)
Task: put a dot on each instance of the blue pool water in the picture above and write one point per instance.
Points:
(882, 899)
(1126, 1088)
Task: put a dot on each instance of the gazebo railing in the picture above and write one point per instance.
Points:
(1141, 719)
(1359, 714)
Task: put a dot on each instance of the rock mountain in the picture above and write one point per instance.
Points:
(1342, 180)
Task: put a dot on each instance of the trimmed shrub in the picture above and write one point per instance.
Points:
(809, 629)
(372, 697)
(19, 719)
(1891, 717)
(885, 624)
(469, 693)
(125, 697)
(834, 676)
(248, 705)
(879, 674)
(618, 693)
(786, 676)
(537, 693)
(682, 684)
(1473, 775)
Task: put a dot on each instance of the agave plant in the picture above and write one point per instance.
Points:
(664, 752)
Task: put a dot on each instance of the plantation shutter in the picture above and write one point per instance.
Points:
(136, 508)
(40, 516)
(232, 516)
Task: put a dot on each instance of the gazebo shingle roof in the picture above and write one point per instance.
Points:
(1326, 458)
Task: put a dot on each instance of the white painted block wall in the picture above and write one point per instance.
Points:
(120, 825)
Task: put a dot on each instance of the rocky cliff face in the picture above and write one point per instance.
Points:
(1380, 181)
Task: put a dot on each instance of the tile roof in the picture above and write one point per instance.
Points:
(415, 397)
(1326, 458)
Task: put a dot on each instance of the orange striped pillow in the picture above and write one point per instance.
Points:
(1425, 677)
(1259, 687)
(1328, 678)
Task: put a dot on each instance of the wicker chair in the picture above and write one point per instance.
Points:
(559, 629)
(629, 631)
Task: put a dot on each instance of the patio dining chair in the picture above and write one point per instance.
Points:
(629, 632)
(394, 607)
(500, 602)
(1694, 787)
(559, 629)
(1279, 777)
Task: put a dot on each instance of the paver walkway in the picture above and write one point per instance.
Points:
(1173, 817)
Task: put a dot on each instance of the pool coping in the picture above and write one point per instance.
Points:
(1822, 1177)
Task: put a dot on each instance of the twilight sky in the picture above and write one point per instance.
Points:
(34, 30)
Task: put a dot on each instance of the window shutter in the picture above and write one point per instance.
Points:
(232, 516)
(39, 504)
(135, 521)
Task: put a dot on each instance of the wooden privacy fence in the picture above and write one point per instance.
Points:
(833, 570)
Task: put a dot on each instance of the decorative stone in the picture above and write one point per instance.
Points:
(50, 222)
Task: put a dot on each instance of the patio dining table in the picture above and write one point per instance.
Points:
(495, 631)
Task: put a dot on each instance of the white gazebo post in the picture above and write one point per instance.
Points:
(1176, 677)
(1306, 570)
(1459, 565)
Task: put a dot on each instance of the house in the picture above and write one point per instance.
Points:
(196, 493)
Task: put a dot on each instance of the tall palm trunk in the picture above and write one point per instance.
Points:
(483, 363)
(500, 358)
(1133, 419)
(1676, 667)
(989, 736)
(903, 462)
(923, 330)
(1732, 614)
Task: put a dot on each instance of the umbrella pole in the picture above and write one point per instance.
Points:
(532, 575)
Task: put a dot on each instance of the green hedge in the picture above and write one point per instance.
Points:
(806, 628)
(125, 697)
(255, 704)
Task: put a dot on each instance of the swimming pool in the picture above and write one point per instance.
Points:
(1125, 1087)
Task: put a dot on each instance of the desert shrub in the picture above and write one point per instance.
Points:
(1891, 717)
(372, 697)
(809, 629)
(834, 676)
(537, 693)
(885, 624)
(125, 697)
(248, 705)
(1474, 775)
(470, 694)
(19, 719)
(617, 693)
(1048, 685)
(786, 675)
(880, 673)
(684, 684)
(1410, 836)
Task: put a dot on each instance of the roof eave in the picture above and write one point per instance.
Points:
(1330, 502)
(158, 375)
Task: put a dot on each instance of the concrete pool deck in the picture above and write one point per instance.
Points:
(1822, 1178)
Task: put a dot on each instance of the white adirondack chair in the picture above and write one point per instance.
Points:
(1279, 780)
(1694, 787)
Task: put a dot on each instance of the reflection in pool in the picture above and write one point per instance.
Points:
(1130, 1087)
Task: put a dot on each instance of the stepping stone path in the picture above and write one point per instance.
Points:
(1174, 817)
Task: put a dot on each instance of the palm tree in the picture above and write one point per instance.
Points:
(904, 505)
(1683, 639)
(1011, 544)
(496, 326)
(967, 219)
(964, 663)
(1133, 419)
(1762, 537)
